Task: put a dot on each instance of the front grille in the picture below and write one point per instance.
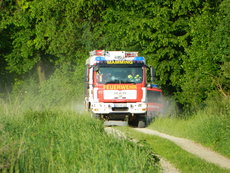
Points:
(120, 109)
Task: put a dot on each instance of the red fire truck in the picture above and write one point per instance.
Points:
(116, 88)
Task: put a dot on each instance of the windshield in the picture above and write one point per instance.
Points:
(116, 74)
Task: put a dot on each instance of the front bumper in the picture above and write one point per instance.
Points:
(110, 108)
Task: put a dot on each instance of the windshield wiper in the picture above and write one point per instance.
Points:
(111, 82)
(118, 82)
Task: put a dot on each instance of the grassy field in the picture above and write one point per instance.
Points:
(182, 160)
(56, 141)
(207, 128)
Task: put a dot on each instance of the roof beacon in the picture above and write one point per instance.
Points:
(131, 54)
(97, 53)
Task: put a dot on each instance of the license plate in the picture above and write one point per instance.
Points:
(120, 105)
(120, 93)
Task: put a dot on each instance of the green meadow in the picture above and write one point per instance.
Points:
(209, 126)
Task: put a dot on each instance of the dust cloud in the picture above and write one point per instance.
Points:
(169, 107)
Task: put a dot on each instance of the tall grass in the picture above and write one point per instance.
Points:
(56, 141)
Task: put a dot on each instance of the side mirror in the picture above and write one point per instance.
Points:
(153, 74)
(96, 69)
(148, 85)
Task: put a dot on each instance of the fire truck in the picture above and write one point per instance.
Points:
(116, 87)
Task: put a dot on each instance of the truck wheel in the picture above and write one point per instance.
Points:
(133, 123)
(141, 123)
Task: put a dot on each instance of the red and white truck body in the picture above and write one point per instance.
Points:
(111, 90)
(154, 101)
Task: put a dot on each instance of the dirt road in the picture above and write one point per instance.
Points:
(193, 148)
(188, 145)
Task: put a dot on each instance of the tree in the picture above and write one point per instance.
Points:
(206, 54)
(6, 8)
(48, 32)
(219, 47)
(158, 29)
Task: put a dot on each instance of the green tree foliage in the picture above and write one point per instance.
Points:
(159, 29)
(4, 48)
(177, 38)
(219, 48)
(6, 8)
(44, 28)
(207, 64)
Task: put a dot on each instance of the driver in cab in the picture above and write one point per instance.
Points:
(134, 76)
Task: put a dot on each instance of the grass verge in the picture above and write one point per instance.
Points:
(209, 126)
(181, 159)
(210, 130)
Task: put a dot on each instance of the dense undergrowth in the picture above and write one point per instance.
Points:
(57, 141)
(210, 126)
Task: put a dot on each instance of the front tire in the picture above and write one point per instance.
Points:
(141, 123)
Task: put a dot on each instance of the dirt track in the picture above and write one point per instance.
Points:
(193, 148)
(188, 145)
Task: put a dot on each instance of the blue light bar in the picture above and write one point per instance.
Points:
(154, 86)
(100, 58)
(139, 58)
